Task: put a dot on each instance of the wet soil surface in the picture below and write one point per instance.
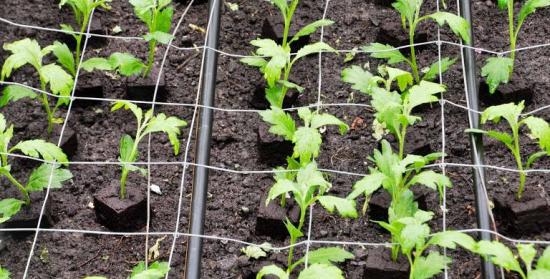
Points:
(235, 198)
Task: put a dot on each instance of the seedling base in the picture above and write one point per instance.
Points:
(143, 89)
(270, 218)
(258, 100)
(380, 265)
(129, 214)
(516, 90)
(528, 215)
(273, 150)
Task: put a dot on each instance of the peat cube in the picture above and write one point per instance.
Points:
(380, 201)
(270, 218)
(524, 216)
(129, 214)
(380, 265)
(89, 86)
(516, 90)
(273, 150)
(139, 88)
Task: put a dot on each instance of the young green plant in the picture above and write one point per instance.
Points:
(156, 270)
(410, 18)
(414, 238)
(82, 9)
(276, 61)
(397, 176)
(146, 124)
(29, 52)
(394, 109)
(503, 256)
(157, 15)
(39, 177)
(498, 70)
(512, 113)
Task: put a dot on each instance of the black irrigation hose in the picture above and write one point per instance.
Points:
(476, 142)
(202, 155)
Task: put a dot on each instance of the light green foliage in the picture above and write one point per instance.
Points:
(4, 273)
(123, 63)
(257, 251)
(156, 270)
(46, 174)
(512, 113)
(157, 15)
(14, 93)
(275, 61)
(393, 109)
(433, 72)
(496, 67)
(29, 52)
(147, 123)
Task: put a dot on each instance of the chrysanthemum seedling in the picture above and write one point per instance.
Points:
(393, 109)
(410, 17)
(39, 177)
(29, 52)
(397, 176)
(146, 124)
(82, 9)
(498, 70)
(157, 15)
(503, 256)
(276, 61)
(412, 236)
(121, 63)
(539, 128)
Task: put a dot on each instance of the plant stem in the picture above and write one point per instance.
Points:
(511, 32)
(411, 264)
(123, 183)
(46, 105)
(78, 38)
(293, 239)
(517, 156)
(413, 54)
(20, 187)
(150, 58)
(401, 139)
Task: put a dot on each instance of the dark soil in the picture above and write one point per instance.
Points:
(233, 205)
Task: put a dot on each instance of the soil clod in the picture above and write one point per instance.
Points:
(380, 265)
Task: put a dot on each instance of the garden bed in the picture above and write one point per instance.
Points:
(235, 197)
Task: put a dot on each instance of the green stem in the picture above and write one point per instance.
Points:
(293, 240)
(413, 54)
(150, 58)
(517, 156)
(46, 105)
(401, 139)
(78, 38)
(511, 32)
(20, 187)
(125, 170)
(411, 264)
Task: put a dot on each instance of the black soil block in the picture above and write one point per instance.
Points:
(143, 89)
(380, 265)
(270, 218)
(516, 90)
(273, 149)
(527, 215)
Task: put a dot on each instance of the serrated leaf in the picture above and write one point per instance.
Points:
(413, 235)
(281, 122)
(61, 83)
(345, 207)
(8, 208)
(388, 52)
(310, 28)
(497, 70)
(407, 8)
(457, 24)
(169, 125)
(254, 252)
(423, 93)
(527, 254)
(325, 119)
(282, 186)
(311, 49)
(259, 62)
(275, 95)
(430, 266)
(530, 7)
(510, 112)
(433, 71)
(309, 177)
(328, 255)
(367, 185)
(432, 180)
(156, 270)
(126, 64)
(161, 37)
(14, 93)
(307, 142)
(540, 130)
(291, 85)
(138, 113)
(499, 254)
(272, 270)
(316, 271)
(293, 231)
(40, 177)
(40, 148)
(96, 63)
(64, 56)
(278, 58)
(23, 52)
(164, 19)
(449, 239)
(360, 79)
(404, 78)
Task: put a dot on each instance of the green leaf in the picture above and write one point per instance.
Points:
(281, 122)
(539, 274)
(360, 79)
(432, 180)
(23, 52)
(328, 255)
(126, 146)
(161, 37)
(430, 266)
(138, 113)
(143, 9)
(533, 157)
(530, 7)
(413, 235)
(272, 270)
(259, 62)
(433, 71)
(291, 85)
(309, 176)
(527, 254)
(61, 83)
(404, 78)
(292, 230)
(345, 207)
(282, 186)
(497, 70)
(458, 24)
(281, 4)
(510, 112)
(40, 148)
(502, 4)
(544, 260)
(423, 93)
(96, 63)
(64, 56)
(387, 52)
(169, 125)
(254, 252)
(275, 95)
(8, 208)
(15, 93)
(499, 254)
(278, 58)
(310, 28)
(407, 9)
(317, 271)
(307, 142)
(164, 20)
(126, 64)
(325, 119)
(156, 270)
(311, 49)
(367, 185)
(40, 177)
(449, 239)
(540, 130)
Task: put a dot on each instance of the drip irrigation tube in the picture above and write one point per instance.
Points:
(476, 142)
(202, 155)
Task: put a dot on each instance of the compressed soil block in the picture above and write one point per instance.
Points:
(259, 101)
(380, 265)
(69, 142)
(528, 215)
(391, 32)
(129, 214)
(273, 28)
(516, 90)
(380, 202)
(270, 218)
(139, 88)
(94, 42)
(29, 215)
(273, 150)
(89, 86)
